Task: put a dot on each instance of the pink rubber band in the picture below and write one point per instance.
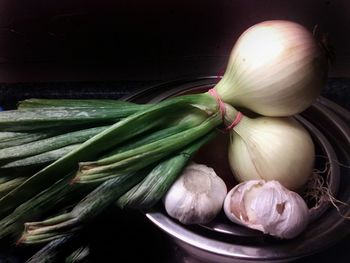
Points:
(222, 109)
(221, 104)
(235, 121)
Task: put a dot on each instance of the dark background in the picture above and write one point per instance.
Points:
(64, 40)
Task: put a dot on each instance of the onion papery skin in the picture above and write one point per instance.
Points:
(276, 68)
(272, 148)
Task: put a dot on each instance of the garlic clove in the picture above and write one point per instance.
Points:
(268, 207)
(196, 196)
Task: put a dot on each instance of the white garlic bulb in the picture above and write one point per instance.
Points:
(196, 196)
(267, 206)
(271, 149)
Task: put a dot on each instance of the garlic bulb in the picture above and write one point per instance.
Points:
(268, 207)
(196, 196)
(271, 148)
(276, 68)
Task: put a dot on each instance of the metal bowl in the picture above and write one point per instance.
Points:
(223, 241)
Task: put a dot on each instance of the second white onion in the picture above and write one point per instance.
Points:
(271, 148)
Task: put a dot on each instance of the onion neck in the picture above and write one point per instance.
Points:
(231, 114)
(226, 87)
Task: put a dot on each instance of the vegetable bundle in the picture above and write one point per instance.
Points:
(84, 156)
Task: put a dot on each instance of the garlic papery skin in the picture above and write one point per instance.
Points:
(197, 196)
(271, 148)
(276, 68)
(267, 206)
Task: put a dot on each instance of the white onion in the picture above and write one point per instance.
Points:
(271, 148)
(276, 68)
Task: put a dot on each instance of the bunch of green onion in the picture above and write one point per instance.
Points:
(94, 154)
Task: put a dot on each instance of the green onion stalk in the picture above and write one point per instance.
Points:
(48, 144)
(57, 250)
(9, 139)
(34, 115)
(8, 183)
(153, 187)
(80, 255)
(117, 134)
(131, 186)
(139, 157)
(22, 165)
(84, 212)
(58, 195)
(138, 131)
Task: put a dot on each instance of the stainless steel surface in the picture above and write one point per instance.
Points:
(222, 241)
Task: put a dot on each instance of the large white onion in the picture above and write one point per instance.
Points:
(276, 68)
(271, 148)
